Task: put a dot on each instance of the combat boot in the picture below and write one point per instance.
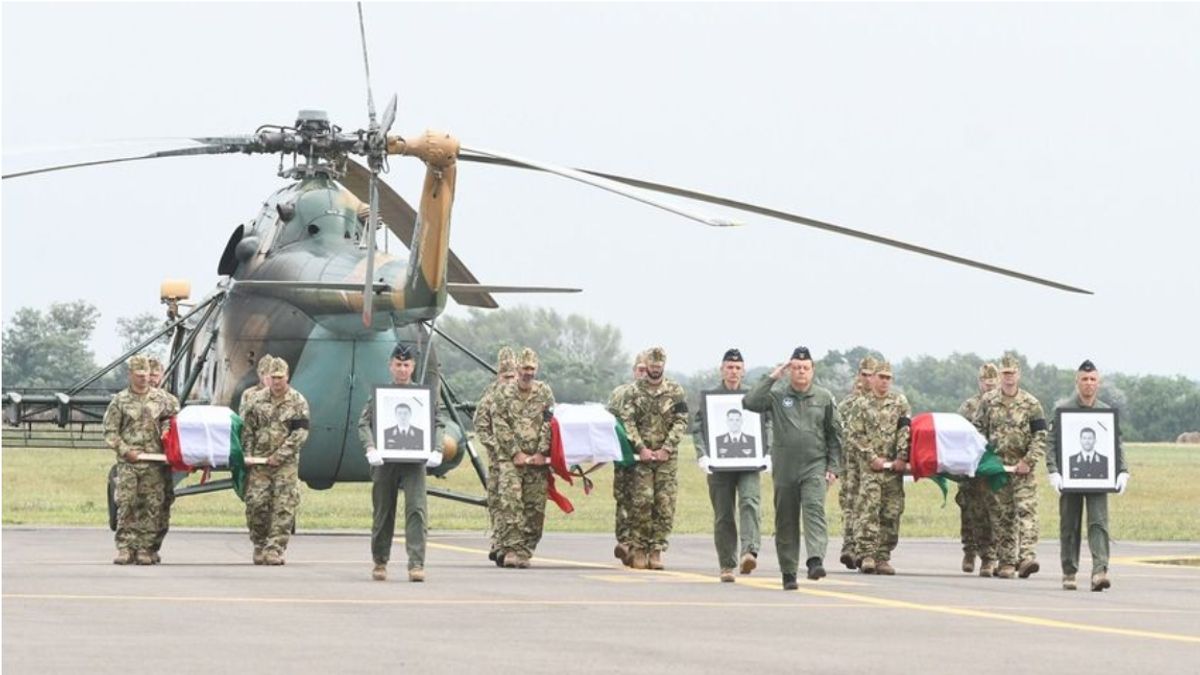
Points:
(144, 558)
(885, 567)
(1028, 567)
(1006, 572)
(258, 556)
(867, 566)
(655, 561)
(379, 572)
(522, 562)
(968, 565)
(749, 562)
(1100, 581)
(272, 558)
(1069, 582)
(816, 569)
(416, 575)
(124, 557)
(510, 560)
(639, 560)
(727, 576)
(789, 582)
(986, 568)
(848, 560)
(621, 552)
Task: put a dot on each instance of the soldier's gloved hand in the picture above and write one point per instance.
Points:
(703, 462)
(1122, 482)
(767, 465)
(434, 461)
(1056, 482)
(374, 457)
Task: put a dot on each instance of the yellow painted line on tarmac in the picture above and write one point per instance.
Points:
(1158, 562)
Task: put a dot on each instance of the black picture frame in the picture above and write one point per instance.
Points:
(1075, 429)
(404, 440)
(749, 453)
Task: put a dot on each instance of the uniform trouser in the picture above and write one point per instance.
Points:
(624, 478)
(164, 520)
(881, 496)
(652, 516)
(386, 483)
(493, 493)
(272, 497)
(740, 491)
(973, 498)
(1070, 510)
(848, 499)
(1014, 520)
(140, 495)
(793, 499)
(522, 513)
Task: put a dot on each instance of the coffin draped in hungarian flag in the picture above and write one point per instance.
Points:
(584, 434)
(945, 446)
(207, 436)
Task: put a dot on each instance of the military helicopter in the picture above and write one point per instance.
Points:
(304, 279)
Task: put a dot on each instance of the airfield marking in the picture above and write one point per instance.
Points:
(1158, 562)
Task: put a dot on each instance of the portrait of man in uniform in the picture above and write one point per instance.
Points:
(1088, 463)
(735, 443)
(732, 434)
(1085, 441)
(405, 432)
(403, 436)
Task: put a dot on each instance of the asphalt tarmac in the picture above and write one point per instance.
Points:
(66, 608)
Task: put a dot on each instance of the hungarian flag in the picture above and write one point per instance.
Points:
(207, 437)
(945, 446)
(584, 434)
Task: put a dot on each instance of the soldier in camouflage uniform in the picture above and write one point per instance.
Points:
(973, 496)
(133, 425)
(879, 428)
(1071, 504)
(389, 478)
(506, 371)
(164, 523)
(624, 477)
(264, 380)
(275, 427)
(732, 490)
(655, 416)
(806, 439)
(852, 469)
(521, 423)
(1013, 421)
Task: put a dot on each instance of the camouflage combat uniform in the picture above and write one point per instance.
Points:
(485, 436)
(730, 492)
(852, 469)
(1017, 428)
(624, 477)
(135, 422)
(274, 427)
(880, 428)
(521, 424)
(164, 519)
(655, 417)
(974, 500)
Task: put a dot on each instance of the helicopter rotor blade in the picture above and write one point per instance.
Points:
(209, 146)
(362, 34)
(401, 219)
(389, 116)
(369, 233)
(497, 159)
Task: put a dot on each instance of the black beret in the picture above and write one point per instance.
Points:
(1087, 366)
(732, 355)
(402, 353)
(802, 354)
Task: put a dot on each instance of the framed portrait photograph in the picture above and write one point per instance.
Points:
(735, 436)
(404, 422)
(1087, 458)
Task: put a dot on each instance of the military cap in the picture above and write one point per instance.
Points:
(1009, 364)
(868, 364)
(156, 366)
(882, 367)
(640, 358)
(403, 352)
(279, 367)
(656, 355)
(529, 358)
(988, 371)
(1087, 366)
(801, 354)
(732, 355)
(139, 364)
(506, 360)
(264, 364)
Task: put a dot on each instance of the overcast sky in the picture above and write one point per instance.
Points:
(1061, 140)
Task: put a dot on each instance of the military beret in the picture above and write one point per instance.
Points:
(868, 365)
(882, 367)
(529, 358)
(988, 371)
(733, 355)
(801, 354)
(139, 364)
(279, 367)
(1009, 364)
(656, 355)
(1087, 366)
(156, 366)
(264, 364)
(403, 352)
